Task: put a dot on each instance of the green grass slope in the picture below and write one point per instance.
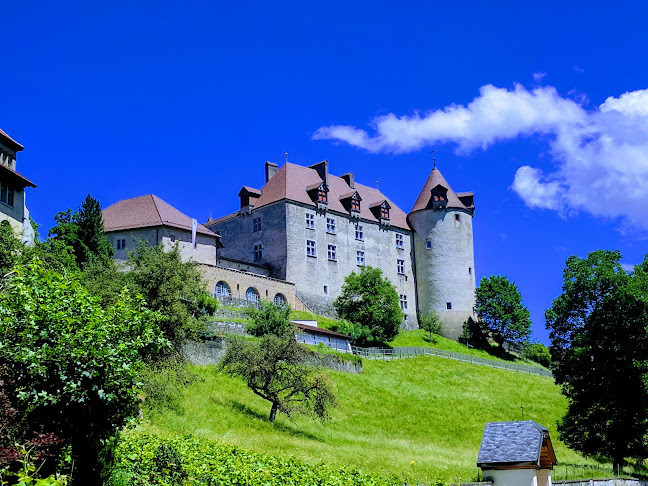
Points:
(419, 419)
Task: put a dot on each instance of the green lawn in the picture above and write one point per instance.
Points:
(323, 322)
(420, 418)
(419, 338)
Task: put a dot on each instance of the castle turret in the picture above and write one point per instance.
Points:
(443, 252)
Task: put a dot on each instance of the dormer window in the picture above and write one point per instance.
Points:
(439, 197)
(249, 196)
(381, 211)
(318, 194)
(351, 202)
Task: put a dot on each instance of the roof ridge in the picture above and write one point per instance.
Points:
(153, 197)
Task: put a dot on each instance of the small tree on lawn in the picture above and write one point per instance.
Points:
(275, 369)
(430, 323)
(268, 318)
(499, 307)
(370, 300)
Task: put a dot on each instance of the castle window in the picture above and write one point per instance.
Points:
(222, 289)
(121, 244)
(258, 251)
(355, 205)
(7, 194)
(457, 218)
(360, 258)
(311, 248)
(428, 243)
(310, 221)
(384, 213)
(330, 225)
(252, 295)
(256, 225)
(326, 290)
(280, 299)
(332, 253)
(403, 302)
(469, 270)
(449, 305)
(399, 241)
(400, 267)
(359, 234)
(322, 196)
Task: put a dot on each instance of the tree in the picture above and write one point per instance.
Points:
(170, 286)
(499, 307)
(10, 247)
(371, 301)
(73, 364)
(431, 323)
(269, 318)
(600, 356)
(83, 231)
(275, 369)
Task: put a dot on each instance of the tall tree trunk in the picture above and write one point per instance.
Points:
(273, 412)
(617, 465)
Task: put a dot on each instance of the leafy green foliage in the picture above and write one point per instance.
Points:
(600, 355)
(141, 462)
(74, 364)
(539, 353)
(370, 300)
(83, 231)
(269, 318)
(170, 286)
(499, 306)
(276, 369)
(10, 247)
(430, 323)
(359, 334)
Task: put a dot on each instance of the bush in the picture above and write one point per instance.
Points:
(360, 335)
(205, 463)
(539, 353)
(268, 319)
(431, 323)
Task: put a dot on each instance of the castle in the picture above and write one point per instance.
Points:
(312, 229)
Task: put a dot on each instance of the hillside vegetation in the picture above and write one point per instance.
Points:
(419, 419)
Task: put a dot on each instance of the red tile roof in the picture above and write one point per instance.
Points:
(291, 182)
(435, 179)
(17, 175)
(7, 140)
(147, 211)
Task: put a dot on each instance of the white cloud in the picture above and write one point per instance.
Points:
(600, 154)
(538, 77)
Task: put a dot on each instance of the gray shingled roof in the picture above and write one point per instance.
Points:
(510, 443)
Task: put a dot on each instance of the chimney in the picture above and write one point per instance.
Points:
(270, 170)
(348, 178)
(322, 170)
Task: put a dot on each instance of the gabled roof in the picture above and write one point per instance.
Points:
(435, 179)
(249, 190)
(7, 140)
(147, 211)
(515, 444)
(15, 176)
(291, 182)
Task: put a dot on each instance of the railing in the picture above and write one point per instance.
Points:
(410, 352)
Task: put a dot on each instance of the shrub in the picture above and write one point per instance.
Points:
(210, 463)
(268, 319)
(431, 323)
(539, 353)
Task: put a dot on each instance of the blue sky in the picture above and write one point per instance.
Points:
(540, 109)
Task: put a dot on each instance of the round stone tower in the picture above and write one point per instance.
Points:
(443, 253)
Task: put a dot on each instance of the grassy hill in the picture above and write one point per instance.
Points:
(420, 418)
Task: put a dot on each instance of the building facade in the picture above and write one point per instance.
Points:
(313, 229)
(13, 206)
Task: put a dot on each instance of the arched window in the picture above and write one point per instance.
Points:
(222, 289)
(252, 295)
(280, 299)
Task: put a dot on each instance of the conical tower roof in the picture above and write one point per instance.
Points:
(462, 200)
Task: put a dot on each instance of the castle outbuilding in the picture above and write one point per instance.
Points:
(311, 228)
